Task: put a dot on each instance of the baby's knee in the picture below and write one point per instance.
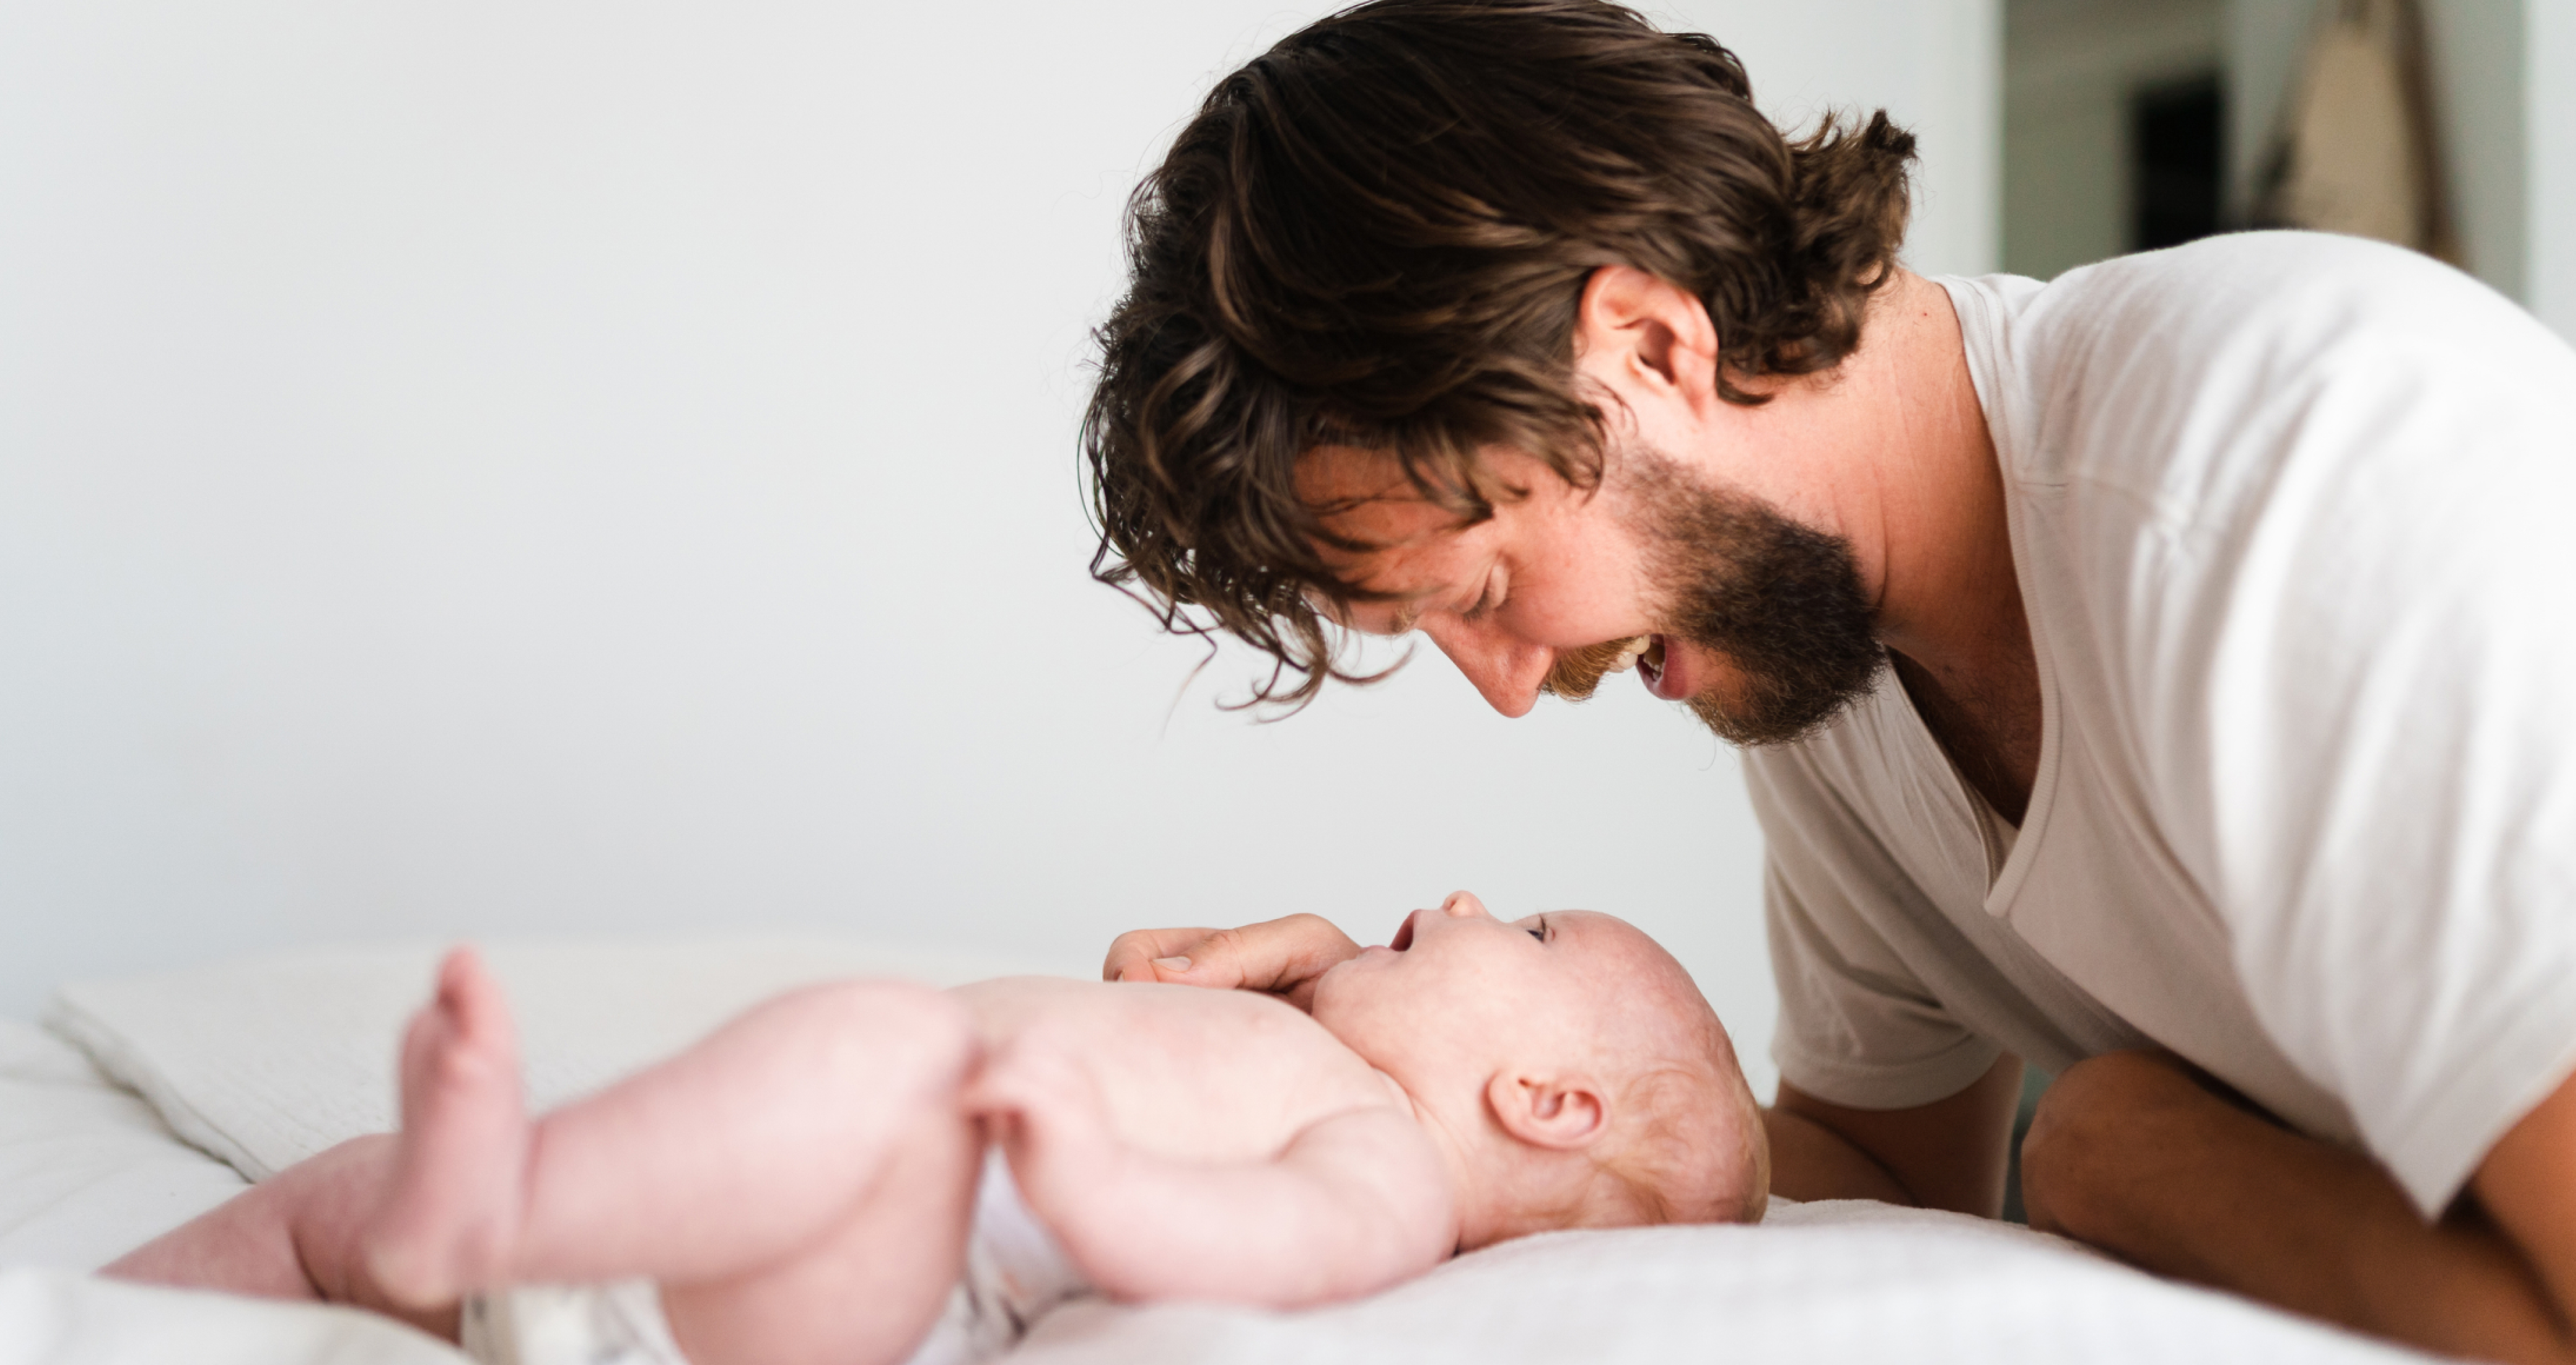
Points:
(903, 1037)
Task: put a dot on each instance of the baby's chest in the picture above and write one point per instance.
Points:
(1229, 1086)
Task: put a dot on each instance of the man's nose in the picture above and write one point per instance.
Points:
(1505, 668)
(1463, 905)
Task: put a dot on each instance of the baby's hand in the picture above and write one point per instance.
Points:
(1282, 957)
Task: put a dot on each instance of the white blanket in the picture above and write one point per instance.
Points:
(269, 1061)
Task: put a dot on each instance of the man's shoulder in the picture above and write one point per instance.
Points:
(2250, 312)
(2267, 281)
(2180, 379)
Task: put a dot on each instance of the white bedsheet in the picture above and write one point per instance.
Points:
(52, 1317)
(1816, 1284)
(87, 1170)
(273, 1059)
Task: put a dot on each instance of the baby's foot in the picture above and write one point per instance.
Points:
(452, 1210)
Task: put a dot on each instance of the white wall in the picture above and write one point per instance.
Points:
(2476, 52)
(2549, 79)
(2071, 67)
(2264, 41)
(2479, 61)
(481, 469)
(1935, 65)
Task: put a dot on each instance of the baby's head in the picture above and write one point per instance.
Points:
(1566, 1060)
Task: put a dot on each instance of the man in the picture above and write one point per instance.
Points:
(2163, 677)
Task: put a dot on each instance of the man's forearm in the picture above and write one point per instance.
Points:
(1810, 1161)
(2132, 1154)
(1948, 1154)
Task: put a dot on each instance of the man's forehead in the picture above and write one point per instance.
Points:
(1329, 475)
(1366, 495)
(1364, 498)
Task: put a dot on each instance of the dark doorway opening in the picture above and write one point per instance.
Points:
(2177, 161)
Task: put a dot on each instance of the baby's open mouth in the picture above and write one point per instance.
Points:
(1403, 935)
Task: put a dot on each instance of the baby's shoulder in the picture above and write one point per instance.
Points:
(1013, 1005)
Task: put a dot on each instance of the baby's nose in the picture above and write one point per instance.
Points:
(1463, 905)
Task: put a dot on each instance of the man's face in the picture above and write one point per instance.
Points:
(1757, 622)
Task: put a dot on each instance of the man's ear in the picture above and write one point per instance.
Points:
(1631, 321)
(1562, 1113)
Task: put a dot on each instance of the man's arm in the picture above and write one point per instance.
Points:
(1949, 1154)
(2132, 1153)
(1281, 957)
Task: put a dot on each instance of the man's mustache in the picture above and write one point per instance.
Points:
(1577, 673)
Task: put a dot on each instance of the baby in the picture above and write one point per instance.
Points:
(811, 1183)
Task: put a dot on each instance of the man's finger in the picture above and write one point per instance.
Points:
(1281, 956)
(1285, 955)
(1277, 956)
(1138, 954)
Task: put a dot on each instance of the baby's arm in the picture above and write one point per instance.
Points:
(1356, 1202)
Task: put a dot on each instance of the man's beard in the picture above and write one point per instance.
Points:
(1780, 602)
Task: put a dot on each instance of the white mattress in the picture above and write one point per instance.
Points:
(271, 1059)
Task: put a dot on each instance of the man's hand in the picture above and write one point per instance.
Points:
(2137, 1154)
(1281, 957)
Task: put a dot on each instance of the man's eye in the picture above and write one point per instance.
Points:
(1487, 602)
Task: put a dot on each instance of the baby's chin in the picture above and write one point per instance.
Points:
(1342, 986)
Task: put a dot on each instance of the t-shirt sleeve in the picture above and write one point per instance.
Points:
(1859, 1025)
(2364, 711)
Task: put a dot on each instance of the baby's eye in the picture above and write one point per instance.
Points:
(1539, 931)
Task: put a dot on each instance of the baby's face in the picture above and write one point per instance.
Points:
(1500, 1030)
(1457, 993)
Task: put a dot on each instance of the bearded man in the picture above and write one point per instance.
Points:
(2164, 677)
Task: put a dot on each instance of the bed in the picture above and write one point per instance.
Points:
(140, 1101)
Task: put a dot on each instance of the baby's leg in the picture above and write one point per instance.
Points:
(870, 1289)
(731, 1174)
(450, 1216)
(292, 1236)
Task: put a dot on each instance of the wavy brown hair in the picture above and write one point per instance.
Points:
(1376, 235)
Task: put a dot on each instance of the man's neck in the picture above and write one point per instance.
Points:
(1949, 603)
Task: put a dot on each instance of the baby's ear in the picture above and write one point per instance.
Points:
(1564, 1113)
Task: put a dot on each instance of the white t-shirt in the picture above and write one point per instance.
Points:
(2294, 519)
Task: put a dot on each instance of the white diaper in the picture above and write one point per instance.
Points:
(589, 1324)
(1015, 1272)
